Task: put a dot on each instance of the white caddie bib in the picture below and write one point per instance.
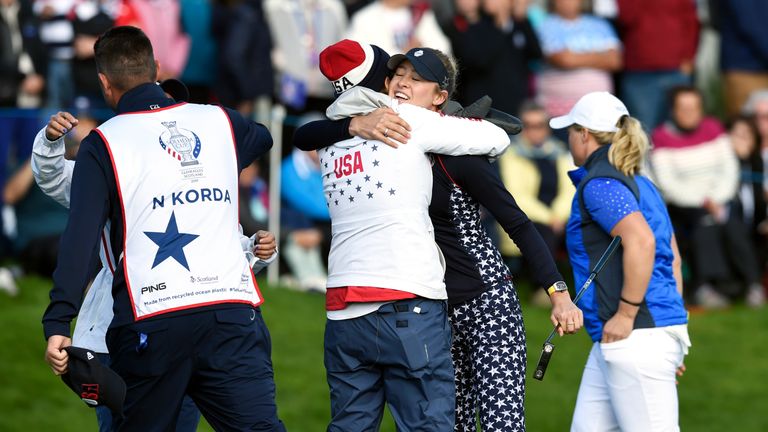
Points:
(177, 177)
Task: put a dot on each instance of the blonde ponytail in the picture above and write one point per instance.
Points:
(628, 145)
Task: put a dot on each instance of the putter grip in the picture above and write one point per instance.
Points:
(546, 354)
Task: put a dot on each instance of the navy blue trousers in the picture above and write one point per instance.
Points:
(189, 416)
(220, 358)
(400, 355)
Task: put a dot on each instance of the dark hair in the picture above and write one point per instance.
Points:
(755, 158)
(749, 120)
(676, 91)
(124, 54)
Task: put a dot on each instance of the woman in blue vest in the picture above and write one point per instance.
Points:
(634, 311)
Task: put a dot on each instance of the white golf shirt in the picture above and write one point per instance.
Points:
(379, 198)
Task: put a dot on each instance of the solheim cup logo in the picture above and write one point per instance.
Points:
(182, 147)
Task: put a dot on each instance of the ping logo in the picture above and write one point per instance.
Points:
(151, 288)
(89, 355)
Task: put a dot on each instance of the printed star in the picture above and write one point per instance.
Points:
(328, 175)
(374, 147)
(358, 188)
(351, 199)
(341, 192)
(349, 182)
(379, 185)
(375, 163)
(370, 195)
(332, 184)
(333, 153)
(391, 191)
(367, 178)
(336, 202)
(171, 243)
(326, 165)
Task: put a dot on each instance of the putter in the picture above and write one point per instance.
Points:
(549, 347)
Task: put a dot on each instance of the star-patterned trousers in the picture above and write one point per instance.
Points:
(489, 357)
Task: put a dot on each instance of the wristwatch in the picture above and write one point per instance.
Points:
(558, 286)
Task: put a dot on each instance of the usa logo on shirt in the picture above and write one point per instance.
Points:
(352, 176)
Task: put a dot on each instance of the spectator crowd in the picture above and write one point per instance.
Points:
(534, 58)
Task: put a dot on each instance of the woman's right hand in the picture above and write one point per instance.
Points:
(565, 314)
(383, 125)
(619, 327)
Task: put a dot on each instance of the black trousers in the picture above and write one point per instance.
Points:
(221, 358)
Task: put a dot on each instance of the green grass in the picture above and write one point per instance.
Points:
(723, 389)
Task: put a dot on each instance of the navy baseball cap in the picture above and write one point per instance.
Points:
(95, 383)
(427, 64)
(177, 89)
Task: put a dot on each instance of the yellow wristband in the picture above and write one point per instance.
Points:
(558, 286)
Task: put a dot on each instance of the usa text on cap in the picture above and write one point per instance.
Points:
(349, 63)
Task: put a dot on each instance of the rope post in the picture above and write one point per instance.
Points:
(276, 129)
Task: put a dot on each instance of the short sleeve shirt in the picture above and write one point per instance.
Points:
(608, 201)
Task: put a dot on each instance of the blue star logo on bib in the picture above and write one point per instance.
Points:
(171, 243)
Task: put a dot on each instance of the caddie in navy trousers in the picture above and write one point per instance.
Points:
(164, 175)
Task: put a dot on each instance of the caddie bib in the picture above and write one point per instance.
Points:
(177, 178)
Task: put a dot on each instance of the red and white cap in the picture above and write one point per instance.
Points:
(348, 63)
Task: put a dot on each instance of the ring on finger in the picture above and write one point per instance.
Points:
(385, 132)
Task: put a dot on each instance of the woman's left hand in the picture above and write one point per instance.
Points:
(617, 328)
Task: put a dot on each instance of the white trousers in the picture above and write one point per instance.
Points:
(629, 385)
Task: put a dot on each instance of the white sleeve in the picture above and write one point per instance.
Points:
(257, 264)
(453, 136)
(357, 101)
(52, 172)
(726, 172)
(261, 264)
(670, 181)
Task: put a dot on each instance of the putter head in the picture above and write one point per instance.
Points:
(546, 354)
